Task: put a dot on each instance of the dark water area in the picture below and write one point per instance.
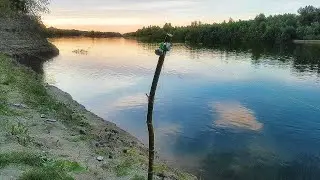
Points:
(222, 113)
(35, 60)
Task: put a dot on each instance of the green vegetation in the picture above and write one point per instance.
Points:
(137, 177)
(20, 132)
(124, 168)
(34, 92)
(129, 159)
(54, 32)
(31, 7)
(277, 29)
(24, 158)
(42, 168)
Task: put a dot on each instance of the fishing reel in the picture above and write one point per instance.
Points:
(165, 46)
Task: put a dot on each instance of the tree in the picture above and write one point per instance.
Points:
(31, 7)
(308, 15)
(276, 29)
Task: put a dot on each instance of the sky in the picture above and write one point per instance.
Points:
(129, 15)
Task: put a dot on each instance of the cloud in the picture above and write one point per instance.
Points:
(132, 101)
(235, 115)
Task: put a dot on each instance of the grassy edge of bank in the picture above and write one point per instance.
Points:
(26, 137)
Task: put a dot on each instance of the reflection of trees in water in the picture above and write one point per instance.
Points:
(244, 166)
(303, 57)
(307, 58)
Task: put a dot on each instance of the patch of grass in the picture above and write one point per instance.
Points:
(130, 160)
(138, 177)
(31, 86)
(64, 165)
(20, 158)
(42, 167)
(123, 168)
(45, 173)
(21, 133)
(162, 169)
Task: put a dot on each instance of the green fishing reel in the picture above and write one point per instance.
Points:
(165, 46)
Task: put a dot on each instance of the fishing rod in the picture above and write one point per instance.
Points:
(165, 46)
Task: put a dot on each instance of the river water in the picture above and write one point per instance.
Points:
(219, 113)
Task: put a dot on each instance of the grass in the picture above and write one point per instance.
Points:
(162, 169)
(138, 177)
(128, 162)
(31, 86)
(45, 174)
(21, 133)
(20, 158)
(124, 168)
(43, 168)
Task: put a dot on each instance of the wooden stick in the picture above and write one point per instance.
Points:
(150, 112)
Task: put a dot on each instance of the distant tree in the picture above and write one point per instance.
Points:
(274, 29)
(260, 18)
(308, 15)
(167, 27)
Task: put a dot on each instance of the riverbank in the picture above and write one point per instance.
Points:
(21, 36)
(45, 134)
(306, 41)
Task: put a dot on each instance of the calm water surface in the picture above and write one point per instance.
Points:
(219, 114)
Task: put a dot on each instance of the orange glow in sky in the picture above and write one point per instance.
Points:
(127, 15)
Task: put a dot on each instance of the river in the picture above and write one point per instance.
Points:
(219, 113)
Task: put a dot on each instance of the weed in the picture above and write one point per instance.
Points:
(4, 110)
(42, 167)
(130, 159)
(138, 177)
(20, 158)
(123, 168)
(21, 133)
(162, 168)
(30, 85)
(45, 173)
(64, 165)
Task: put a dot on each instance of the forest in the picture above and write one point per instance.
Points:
(274, 29)
(54, 32)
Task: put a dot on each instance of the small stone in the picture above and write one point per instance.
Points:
(83, 132)
(43, 116)
(20, 105)
(100, 158)
(51, 120)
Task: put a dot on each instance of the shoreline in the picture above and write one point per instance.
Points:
(43, 121)
(306, 41)
(39, 120)
(45, 134)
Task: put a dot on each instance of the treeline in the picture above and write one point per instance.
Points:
(54, 32)
(276, 29)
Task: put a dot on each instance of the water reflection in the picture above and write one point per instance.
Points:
(132, 101)
(235, 115)
(245, 166)
(241, 113)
